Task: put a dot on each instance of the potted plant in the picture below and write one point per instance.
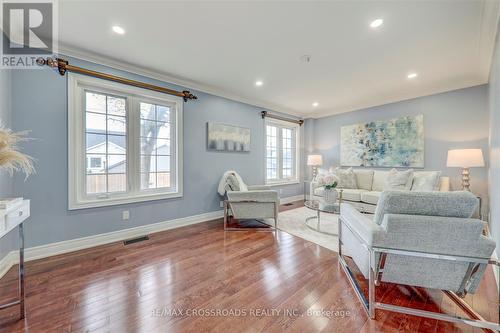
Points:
(329, 182)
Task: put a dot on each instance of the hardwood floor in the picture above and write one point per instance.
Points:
(258, 281)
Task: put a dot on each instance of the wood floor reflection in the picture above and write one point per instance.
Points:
(200, 279)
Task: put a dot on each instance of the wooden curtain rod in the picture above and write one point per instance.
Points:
(63, 66)
(265, 114)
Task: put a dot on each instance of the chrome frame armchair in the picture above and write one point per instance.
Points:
(379, 250)
(258, 202)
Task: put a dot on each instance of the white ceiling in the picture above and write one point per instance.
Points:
(224, 47)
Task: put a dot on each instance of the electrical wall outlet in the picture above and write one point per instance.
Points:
(281, 191)
(221, 204)
(125, 215)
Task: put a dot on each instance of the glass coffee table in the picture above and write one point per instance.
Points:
(314, 222)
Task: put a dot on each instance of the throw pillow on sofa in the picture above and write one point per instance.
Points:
(323, 172)
(425, 181)
(347, 178)
(399, 180)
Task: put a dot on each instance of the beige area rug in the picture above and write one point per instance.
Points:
(293, 222)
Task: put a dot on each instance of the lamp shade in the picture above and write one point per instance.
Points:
(314, 160)
(465, 158)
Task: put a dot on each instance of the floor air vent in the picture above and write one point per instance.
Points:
(136, 240)
(288, 204)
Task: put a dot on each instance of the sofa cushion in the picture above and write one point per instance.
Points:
(347, 178)
(370, 197)
(364, 179)
(399, 180)
(347, 194)
(379, 178)
(323, 171)
(352, 194)
(426, 181)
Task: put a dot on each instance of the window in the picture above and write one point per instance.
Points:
(124, 144)
(105, 142)
(155, 146)
(281, 152)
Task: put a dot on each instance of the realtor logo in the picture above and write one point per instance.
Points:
(28, 32)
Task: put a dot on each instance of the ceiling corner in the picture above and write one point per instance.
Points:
(488, 29)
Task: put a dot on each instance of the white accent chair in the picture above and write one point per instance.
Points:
(258, 202)
(424, 239)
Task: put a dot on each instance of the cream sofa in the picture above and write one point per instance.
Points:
(370, 184)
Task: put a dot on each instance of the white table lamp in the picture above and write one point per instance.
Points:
(465, 159)
(315, 161)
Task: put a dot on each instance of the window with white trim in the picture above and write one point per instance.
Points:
(282, 140)
(125, 143)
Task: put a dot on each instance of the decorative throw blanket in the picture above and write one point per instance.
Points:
(223, 184)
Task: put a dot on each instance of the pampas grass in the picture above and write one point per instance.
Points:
(11, 159)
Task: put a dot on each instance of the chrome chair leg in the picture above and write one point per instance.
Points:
(371, 286)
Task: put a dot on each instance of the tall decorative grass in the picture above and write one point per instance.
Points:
(11, 159)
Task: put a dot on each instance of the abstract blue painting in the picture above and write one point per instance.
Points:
(397, 142)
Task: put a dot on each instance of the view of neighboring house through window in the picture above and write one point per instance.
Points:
(281, 152)
(106, 142)
(125, 143)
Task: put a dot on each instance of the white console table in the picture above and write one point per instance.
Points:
(10, 219)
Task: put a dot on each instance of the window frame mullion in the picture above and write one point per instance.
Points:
(133, 145)
(279, 147)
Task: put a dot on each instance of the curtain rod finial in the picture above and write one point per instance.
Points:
(58, 63)
(188, 95)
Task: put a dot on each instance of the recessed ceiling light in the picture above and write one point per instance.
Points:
(259, 83)
(376, 23)
(315, 104)
(412, 75)
(119, 30)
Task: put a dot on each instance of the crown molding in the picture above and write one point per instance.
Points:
(488, 29)
(169, 78)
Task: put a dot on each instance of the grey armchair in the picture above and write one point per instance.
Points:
(424, 239)
(248, 202)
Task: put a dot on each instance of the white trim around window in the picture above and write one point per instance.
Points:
(280, 167)
(131, 189)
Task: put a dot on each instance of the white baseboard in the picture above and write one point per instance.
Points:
(291, 199)
(8, 261)
(48, 250)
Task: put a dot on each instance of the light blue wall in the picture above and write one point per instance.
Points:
(8, 242)
(494, 105)
(455, 119)
(39, 102)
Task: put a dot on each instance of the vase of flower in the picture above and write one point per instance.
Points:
(330, 196)
(329, 183)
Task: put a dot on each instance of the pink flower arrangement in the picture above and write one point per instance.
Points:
(328, 181)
